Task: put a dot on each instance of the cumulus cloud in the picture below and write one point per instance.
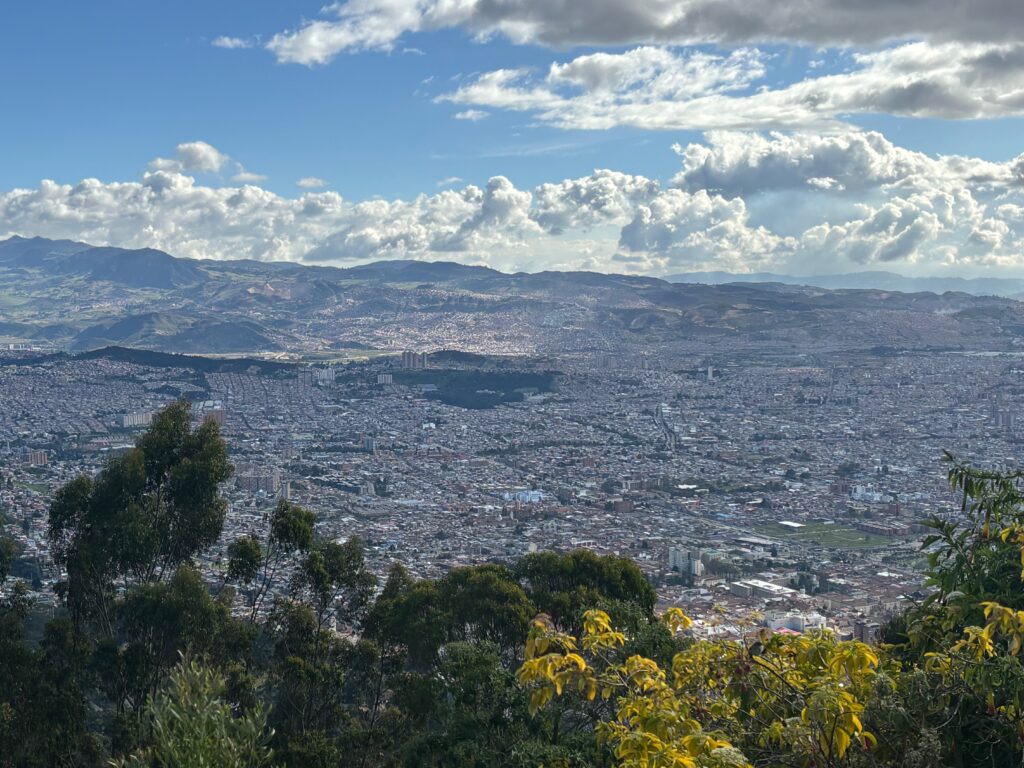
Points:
(899, 208)
(663, 89)
(359, 25)
(743, 163)
(470, 220)
(310, 182)
(604, 197)
(192, 156)
(698, 229)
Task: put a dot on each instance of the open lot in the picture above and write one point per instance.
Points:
(825, 534)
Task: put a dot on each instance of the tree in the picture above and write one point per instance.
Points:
(564, 586)
(244, 557)
(42, 710)
(484, 603)
(848, 469)
(189, 723)
(291, 532)
(331, 586)
(792, 700)
(157, 621)
(8, 552)
(148, 511)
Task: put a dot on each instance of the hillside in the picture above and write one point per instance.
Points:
(76, 296)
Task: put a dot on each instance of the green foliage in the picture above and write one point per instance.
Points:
(8, 551)
(565, 586)
(190, 724)
(244, 556)
(150, 510)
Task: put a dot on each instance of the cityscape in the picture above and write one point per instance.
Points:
(786, 485)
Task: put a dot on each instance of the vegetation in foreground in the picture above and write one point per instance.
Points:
(556, 661)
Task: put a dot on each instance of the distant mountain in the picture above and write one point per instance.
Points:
(402, 270)
(885, 281)
(144, 268)
(82, 297)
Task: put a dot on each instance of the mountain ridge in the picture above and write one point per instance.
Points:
(872, 279)
(80, 297)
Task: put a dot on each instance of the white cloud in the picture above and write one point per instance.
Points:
(645, 87)
(894, 207)
(310, 182)
(448, 181)
(231, 43)
(248, 177)
(359, 25)
(742, 163)
(699, 229)
(662, 89)
(195, 156)
(471, 221)
(604, 197)
(473, 115)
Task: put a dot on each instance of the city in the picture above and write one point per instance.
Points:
(789, 486)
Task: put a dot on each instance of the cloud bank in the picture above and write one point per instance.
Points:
(360, 25)
(873, 205)
(661, 89)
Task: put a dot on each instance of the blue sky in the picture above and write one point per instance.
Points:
(145, 77)
(365, 96)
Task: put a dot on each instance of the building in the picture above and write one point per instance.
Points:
(760, 588)
(795, 621)
(385, 378)
(253, 479)
(325, 376)
(687, 561)
(37, 458)
(865, 631)
(414, 360)
(136, 419)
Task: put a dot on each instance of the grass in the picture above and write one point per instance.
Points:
(37, 487)
(826, 535)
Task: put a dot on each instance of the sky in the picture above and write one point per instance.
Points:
(639, 136)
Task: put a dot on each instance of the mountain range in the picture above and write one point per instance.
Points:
(1012, 288)
(72, 295)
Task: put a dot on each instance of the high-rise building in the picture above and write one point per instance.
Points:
(414, 360)
(686, 561)
(385, 378)
(253, 479)
(37, 458)
(136, 419)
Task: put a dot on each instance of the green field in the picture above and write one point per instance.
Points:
(826, 535)
(37, 487)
